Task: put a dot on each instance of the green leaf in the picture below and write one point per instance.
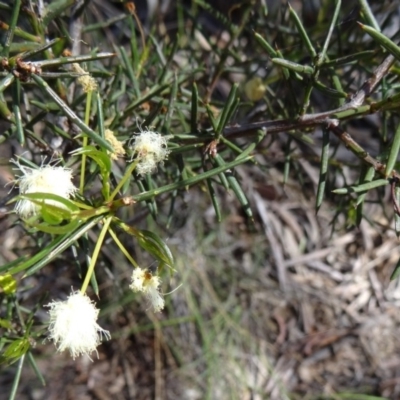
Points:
(336, 94)
(16, 93)
(53, 249)
(368, 14)
(363, 187)
(6, 81)
(302, 69)
(102, 159)
(57, 230)
(70, 114)
(51, 216)
(367, 176)
(383, 40)
(153, 244)
(265, 45)
(396, 271)
(194, 111)
(210, 113)
(323, 174)
(214, 200)
(393, 153)
(190, 181)
(8, 37)
(5, 323)
(52, 205)
(235, 186)
(16, 349)
(302, 32)
(333, 24)
(350, 59)
(397, 216)
(13, 263)
(54, 9)
(228, 110)
(35, 368)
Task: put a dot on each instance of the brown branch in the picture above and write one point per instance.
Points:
(351, 109)
(355, 148)
(370, 84)
(330, 119)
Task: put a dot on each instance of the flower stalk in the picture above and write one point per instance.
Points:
(95, 255)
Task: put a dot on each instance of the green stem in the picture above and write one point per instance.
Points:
(190, 181)
(121, 183)
(95, 255)
(85, 141)
(123, 249)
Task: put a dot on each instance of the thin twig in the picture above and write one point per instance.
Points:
(355, 148)
(370, 84)
(351, 109)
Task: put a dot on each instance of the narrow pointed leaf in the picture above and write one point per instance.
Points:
(17, 112)
(52, 250)
(214, 200)
(6, 81)
(396, 271)
(397, 216)
(190, 181)
(227, 110)
(302, 32)
(332, 26)
(368, 14)
(8, 37)
(16, 349)
(265, 45)
(236, 188)
(393, 153)
(66, 206)
(363, 187)
(383, 40)
(36, 368)
(70, 114)
(323, 172)
(56, 8)
(101, 159)
(155, 246)
(302, 69)
(57, 230)
(369, 175)
(193, 110)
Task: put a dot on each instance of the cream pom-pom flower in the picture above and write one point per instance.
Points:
(150, 149)
(46, 179)
(73, 325)
(144, 281)
(118, 147)
(88, 83)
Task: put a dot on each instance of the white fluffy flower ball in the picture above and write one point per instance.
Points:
(150, 149)
(143, 281)
(47, 179)
(73, 325)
